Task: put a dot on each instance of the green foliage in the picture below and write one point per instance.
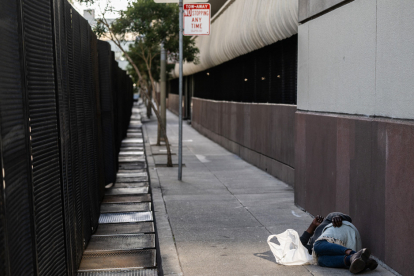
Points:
(155, 23)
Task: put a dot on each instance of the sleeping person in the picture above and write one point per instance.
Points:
(335, 242)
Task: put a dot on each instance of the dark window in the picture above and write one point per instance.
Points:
(267, 75)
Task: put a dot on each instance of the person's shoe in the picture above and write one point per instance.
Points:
(371, 264)
(359, 260)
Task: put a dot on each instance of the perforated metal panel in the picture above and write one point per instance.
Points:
(132, 171)
(132, 174)
(125, 228)
(120, 242)
(133, 141)
(50, 136)
(105, 71)
(131, 160)
(134, 135)
(132, 259)
(62, 26)
(125, 207)
(132, 166)
(126, 198)
(125, 217)
(16, 238)
(41, 92)
(127, 191)
(76, 117)
(90, 123)
(2, 221)
(131, 179)
(97, 120)
(122, 153)
(140, 272)
(131, 130)
(82, 175)
(131, 185)
(128, 148)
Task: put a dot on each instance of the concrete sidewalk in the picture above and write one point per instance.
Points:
(217, 219)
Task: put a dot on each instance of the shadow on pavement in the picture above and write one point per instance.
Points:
(268, 255)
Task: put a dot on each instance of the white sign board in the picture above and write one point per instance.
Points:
(176, 1)
(197, 19)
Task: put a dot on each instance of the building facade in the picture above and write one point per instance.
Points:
(354, 120)
(337, 126)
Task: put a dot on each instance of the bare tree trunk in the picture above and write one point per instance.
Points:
(159, 135)
(163, 131)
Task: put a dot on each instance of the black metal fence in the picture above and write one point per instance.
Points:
(64, 109)
(267, 75)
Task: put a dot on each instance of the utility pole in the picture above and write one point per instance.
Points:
(163, 88)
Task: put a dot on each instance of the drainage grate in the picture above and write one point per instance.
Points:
(134, 130)
(132, 144)
(125, 217)
(131, 148)
(126, 191)
(126, 198)
(132, 141)
(131, 259)
(131, 159)
(141, 272)
(132, 171)
(125, 228)
(131, 153)
(134, 135)
(132, 174)
(135, 166)
(120, 242)
(135, 126)
(139, 164)
(131, 179)
(131, 185)
(125, 207)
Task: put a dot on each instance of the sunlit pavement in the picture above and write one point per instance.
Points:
(217, 219)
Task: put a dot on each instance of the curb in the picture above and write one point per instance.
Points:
(170, 264)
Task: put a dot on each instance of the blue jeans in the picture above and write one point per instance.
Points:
(330, 254)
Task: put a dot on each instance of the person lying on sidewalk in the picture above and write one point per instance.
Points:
(333, 241)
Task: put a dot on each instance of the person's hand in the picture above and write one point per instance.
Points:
(315, 223)
(337, 221)
(317, 220)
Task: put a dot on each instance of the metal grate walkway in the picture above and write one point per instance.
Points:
(124, 243)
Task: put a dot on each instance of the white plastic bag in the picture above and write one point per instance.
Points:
(290, 251)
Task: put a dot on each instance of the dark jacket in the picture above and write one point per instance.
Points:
(308, 240)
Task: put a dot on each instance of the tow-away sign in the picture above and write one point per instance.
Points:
(197, 19)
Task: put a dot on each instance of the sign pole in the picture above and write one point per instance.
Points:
(180, 102)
